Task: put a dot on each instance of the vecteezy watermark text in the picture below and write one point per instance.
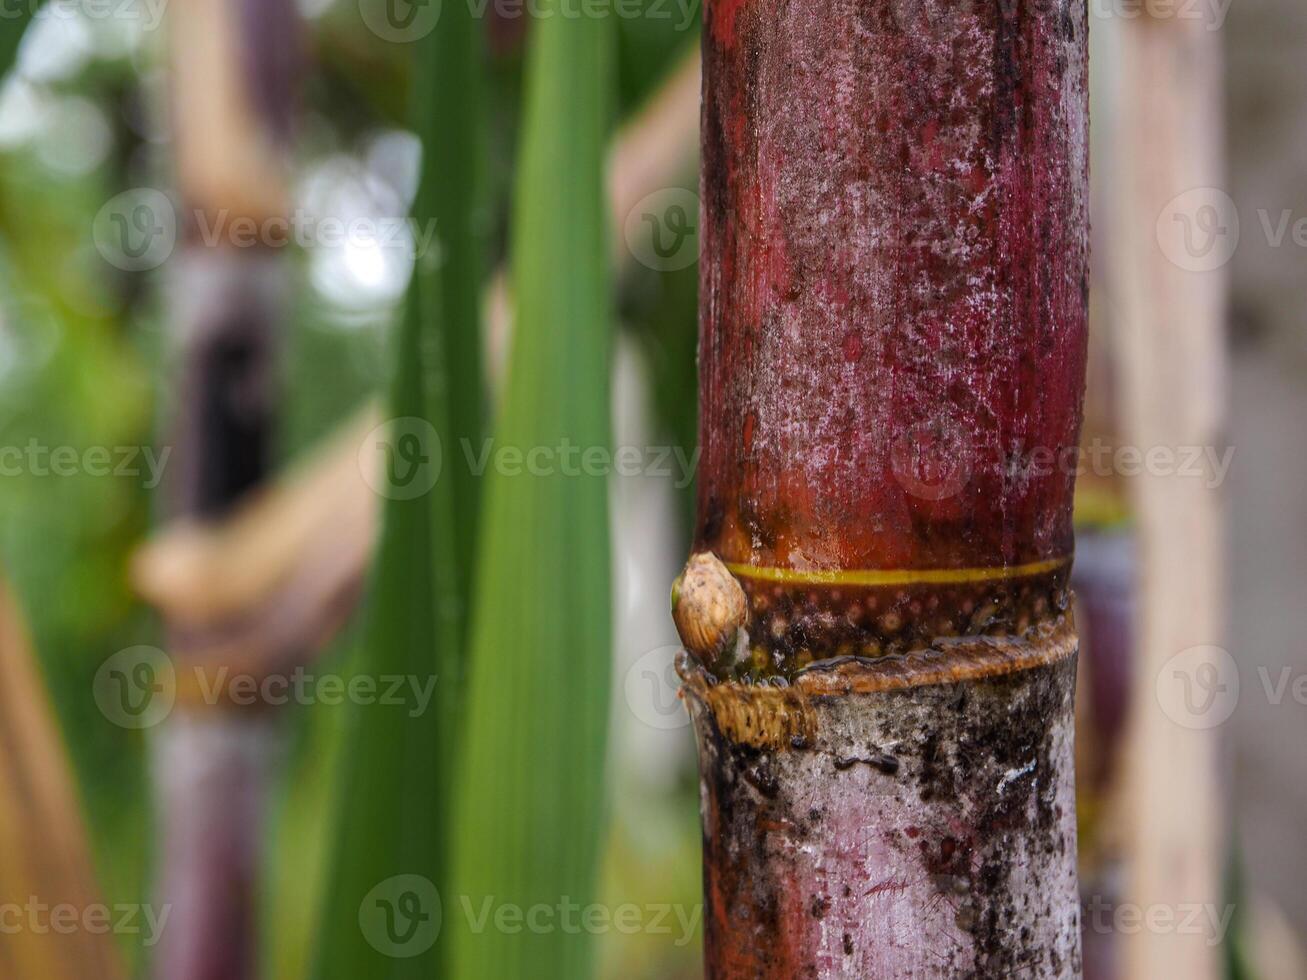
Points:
(938, 460)
(37, 459)
(1201, 229)
(39, 918)
(137, 688)
(572, 460)
(138, 230)
(406, 21)
(404, 458)
(1101, 458)
(402, 916)
(148, 13)
(919, 15)
(1200, 687)
(1204, 919)
(572, 918)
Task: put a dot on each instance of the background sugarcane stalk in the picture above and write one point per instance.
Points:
(1106, 617)
(284, 564)
(892, 356)
(1173, 385)
(233, 65)
(1104, 576)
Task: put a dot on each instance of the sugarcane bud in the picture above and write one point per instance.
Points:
(709, 607)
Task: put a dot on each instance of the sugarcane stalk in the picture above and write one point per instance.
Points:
(1172, 289)
(880, 656)
(233, 70)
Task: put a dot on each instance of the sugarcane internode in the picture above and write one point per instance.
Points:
(893, 329)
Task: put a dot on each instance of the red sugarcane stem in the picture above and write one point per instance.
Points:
(894, 316)
(893, 344)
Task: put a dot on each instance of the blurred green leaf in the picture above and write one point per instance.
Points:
(531, 800)
(14, 22)
(74, 373)
(651, 44)
(398, 772)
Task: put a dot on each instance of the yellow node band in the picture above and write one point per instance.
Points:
(903, 576)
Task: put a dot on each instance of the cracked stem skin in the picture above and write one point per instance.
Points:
(892, 355)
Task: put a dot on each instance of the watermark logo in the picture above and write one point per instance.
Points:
(1198, 231)
(400, 21)
(400, 917)
(401, 459)
(662, 230)
(934, 16)
(405, 21)
(38, 918)
(573, 461)
(218, 685)
(1284, 684)
(1209, 465)
(652, 687)
(136, 688)
(932, 460)
(136, 231)
(148, 14)
(36, 459)
(1212, 922)
(567, 916)
(935, 460)
(1198, 688)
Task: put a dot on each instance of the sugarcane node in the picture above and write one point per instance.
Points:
(779, 715)
(708, 607)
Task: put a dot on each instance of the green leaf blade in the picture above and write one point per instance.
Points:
(530, 808)
(395, 802)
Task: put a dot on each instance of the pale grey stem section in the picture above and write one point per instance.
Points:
(924, 831)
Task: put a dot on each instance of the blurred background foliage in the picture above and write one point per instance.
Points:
(84, 362)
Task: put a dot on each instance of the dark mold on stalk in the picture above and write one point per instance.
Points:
(942, 810)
